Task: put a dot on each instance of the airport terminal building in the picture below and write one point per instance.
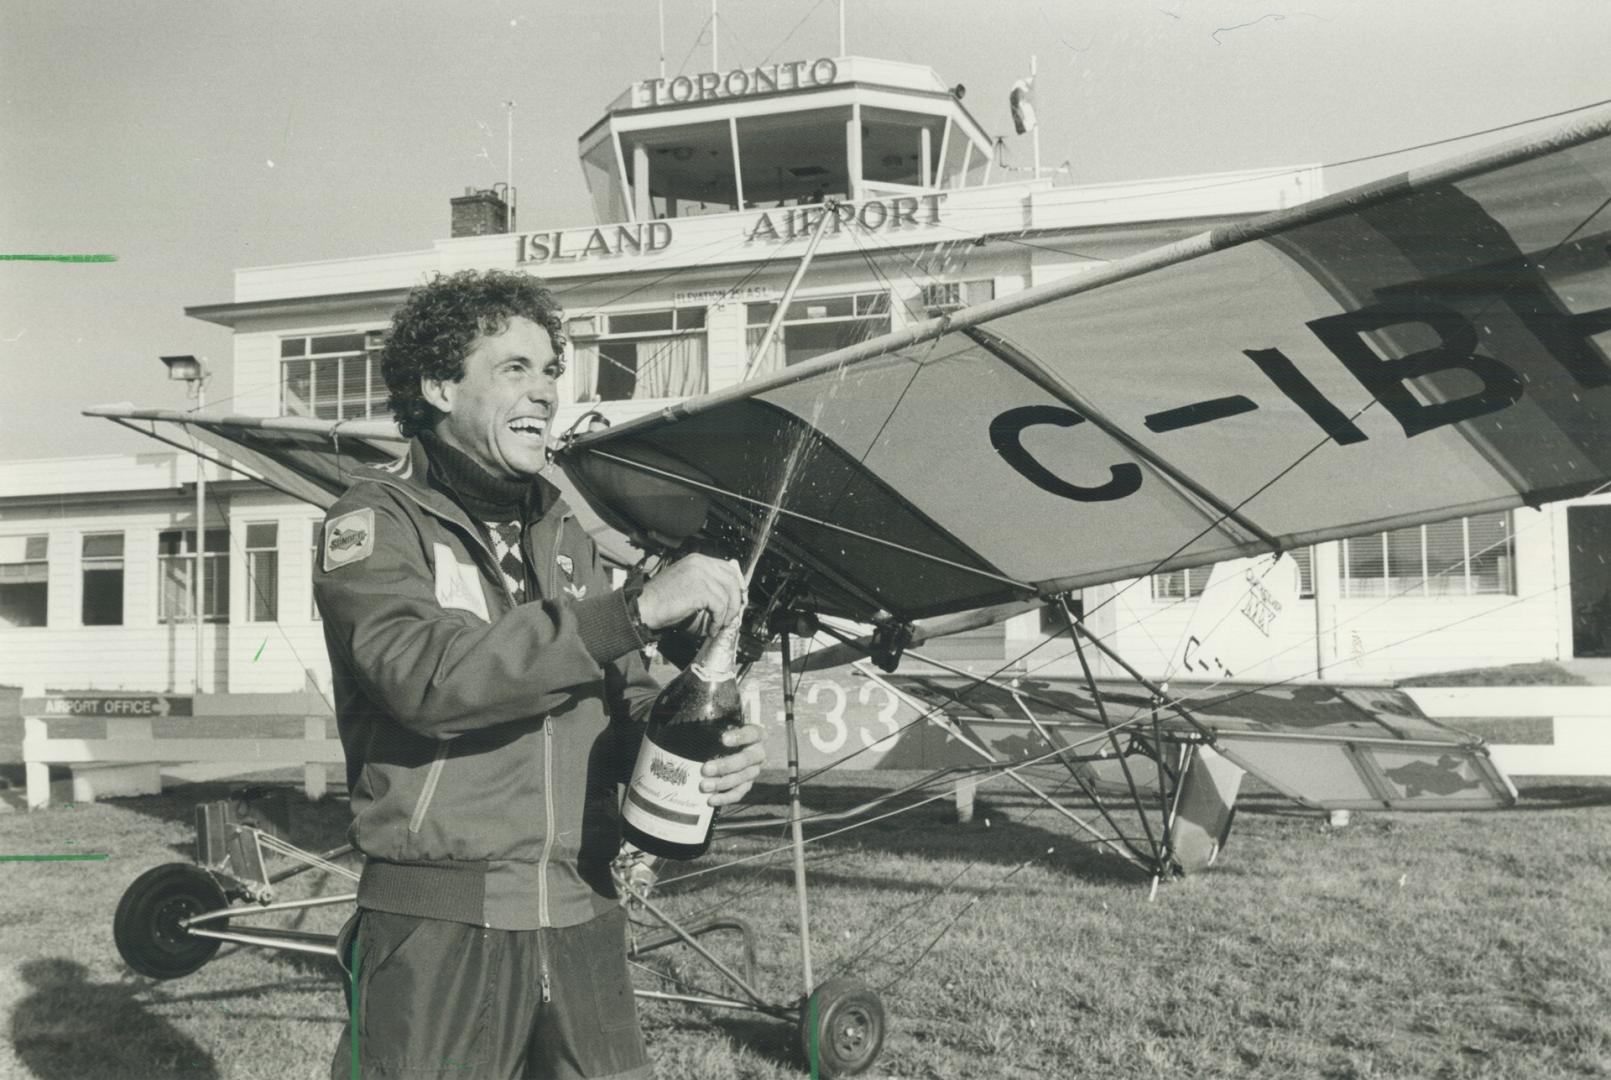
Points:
(706, 192)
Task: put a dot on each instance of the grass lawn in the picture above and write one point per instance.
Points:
(1403, 945)
(1535, 673)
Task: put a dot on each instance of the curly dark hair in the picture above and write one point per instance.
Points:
(433, 332)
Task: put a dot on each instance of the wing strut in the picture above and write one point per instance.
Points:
(830, 211)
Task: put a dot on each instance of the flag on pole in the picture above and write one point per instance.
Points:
(1022, 102)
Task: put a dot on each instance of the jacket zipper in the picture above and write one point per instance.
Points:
(418, 819)
(548, 728)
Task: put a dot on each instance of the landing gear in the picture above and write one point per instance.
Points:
(841, 1028)
(149, 925)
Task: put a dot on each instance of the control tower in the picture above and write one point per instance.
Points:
(782, 134)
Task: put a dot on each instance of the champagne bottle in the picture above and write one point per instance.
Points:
(665, 813)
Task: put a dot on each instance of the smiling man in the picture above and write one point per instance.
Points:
(488, 692)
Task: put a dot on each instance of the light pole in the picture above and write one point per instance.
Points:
(193, 371)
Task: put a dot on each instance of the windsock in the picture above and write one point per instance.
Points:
(1022, 103)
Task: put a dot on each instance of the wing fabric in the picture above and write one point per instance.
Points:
(1429, 346)
(316, 460)
(1334, 748)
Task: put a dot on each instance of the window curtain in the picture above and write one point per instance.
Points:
(585, 369)
(671, 367)
(773, 361)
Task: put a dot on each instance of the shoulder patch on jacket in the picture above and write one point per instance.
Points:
(458, 585)
(349, 538)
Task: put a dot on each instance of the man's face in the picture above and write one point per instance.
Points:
(502, 412)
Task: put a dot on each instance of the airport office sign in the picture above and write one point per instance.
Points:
(90, 704)
(777, 225)
(740, 82)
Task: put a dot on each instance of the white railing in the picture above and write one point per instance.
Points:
(127, 760)
(1579, 716)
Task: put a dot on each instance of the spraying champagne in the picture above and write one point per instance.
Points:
(665, 813)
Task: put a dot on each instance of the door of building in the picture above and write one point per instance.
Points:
(1588, 535)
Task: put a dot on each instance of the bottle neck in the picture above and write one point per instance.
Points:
(718, 656)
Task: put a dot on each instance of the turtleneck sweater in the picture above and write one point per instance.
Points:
(486, 497)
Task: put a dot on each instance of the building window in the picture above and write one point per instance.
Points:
(1189, 584)
(24, 580)
(814, 326)
(176, 563)
(1472, 556)
(332, 376)
(950, 295)
(263, 571)
(1181, 584)
(1052, 619)
(1304, 557)
(103, 579)
(641, 354)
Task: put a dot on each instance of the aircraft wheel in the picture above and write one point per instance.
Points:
(146, 926)
(849, 1028)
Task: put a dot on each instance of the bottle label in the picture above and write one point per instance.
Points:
(664, 799)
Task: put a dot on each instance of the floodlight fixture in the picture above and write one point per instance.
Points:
(184, 368)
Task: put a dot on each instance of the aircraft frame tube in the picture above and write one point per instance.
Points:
(796, 836)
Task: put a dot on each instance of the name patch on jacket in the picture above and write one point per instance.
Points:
(349, 538)
(458, 585)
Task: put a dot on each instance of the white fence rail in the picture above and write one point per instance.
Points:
(1580, 720)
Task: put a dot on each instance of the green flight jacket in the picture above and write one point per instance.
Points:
(484, 740)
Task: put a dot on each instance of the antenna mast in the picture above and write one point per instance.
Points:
(842, 51)
(509, 161)
(662, 6)
(715, 65)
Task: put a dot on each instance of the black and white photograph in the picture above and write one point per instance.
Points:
(769, 539)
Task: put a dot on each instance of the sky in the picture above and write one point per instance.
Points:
(189, 139)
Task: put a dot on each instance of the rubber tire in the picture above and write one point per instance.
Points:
(146, 926)
(850, 1027)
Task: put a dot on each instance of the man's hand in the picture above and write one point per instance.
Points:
(693, 584)
(729, 778)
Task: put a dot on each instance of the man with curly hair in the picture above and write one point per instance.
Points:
(490, 694)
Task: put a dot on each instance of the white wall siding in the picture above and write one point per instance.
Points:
(725, 343)
(160, 470)
(151, 658)
(257, 374)
(360, 274)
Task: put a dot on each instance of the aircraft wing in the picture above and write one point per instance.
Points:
(1428, 346)
(315, 460)
(1329, 747)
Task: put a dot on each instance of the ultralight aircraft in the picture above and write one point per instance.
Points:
(1228, 399)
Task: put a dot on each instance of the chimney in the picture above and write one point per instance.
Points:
(479, 213)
